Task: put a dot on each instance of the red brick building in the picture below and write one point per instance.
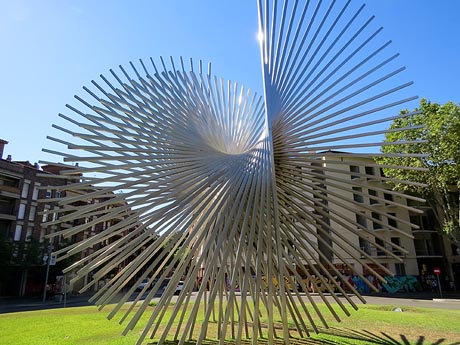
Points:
(23, 210)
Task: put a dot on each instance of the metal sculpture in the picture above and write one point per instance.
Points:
(198, 180)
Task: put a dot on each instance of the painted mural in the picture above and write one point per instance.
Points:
(393, 284)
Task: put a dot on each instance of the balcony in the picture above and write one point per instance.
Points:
(379, 253)
(427, 244)
(7, 209)
(424, 231)
(10, 191)
(428, 253)
(5, 216)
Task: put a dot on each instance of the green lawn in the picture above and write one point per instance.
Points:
(372, 324)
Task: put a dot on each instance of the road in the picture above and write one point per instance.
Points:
(451, 301)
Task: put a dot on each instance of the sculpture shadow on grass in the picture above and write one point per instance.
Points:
(381, 338)
(348, 336)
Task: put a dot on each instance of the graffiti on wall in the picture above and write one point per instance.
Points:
(392, 285)
(402, 284)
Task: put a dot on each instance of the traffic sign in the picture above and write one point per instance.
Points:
(437, 271)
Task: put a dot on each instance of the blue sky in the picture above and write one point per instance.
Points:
(50, 49)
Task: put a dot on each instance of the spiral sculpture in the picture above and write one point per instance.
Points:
(198, 180)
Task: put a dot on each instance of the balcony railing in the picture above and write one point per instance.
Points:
(427, 252)
(379, 253)
(10, 189)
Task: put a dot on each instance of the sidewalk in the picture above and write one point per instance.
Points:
(422, 299)
(448, 295)
(12, 305)
(16, 304)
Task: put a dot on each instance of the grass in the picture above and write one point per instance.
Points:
(372, 324)
(377, 324)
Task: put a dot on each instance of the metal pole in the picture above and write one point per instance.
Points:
(65, 290)
(439, 284)
(47, 271)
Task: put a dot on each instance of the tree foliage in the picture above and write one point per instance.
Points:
(438, 128)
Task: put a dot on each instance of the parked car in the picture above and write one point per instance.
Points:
(142, 284)
(179, 287)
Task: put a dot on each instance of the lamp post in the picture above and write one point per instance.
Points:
(49, 248)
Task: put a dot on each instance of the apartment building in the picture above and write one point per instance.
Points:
(433, 249)
(351, 216)
(404, 220)
(22, 238)
(373, 206)
(24, 210)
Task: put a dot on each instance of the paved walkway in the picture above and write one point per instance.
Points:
(412, 300)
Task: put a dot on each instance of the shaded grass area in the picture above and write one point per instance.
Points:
(373, 324)
(376, 324)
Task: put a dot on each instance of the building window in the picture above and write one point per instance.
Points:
(376, 220)
(396, 241)
(365, 246)
(361, 220)
(35, 193)
(17, 233)
(48, 194)
(55, 213)
(29, 233)
(358, 197)
(369, 171)
(7, 205)
(425, 221)
(388, 196)
(45, 216)
(21, 211)
(400, 269)
(42, 235)
(380, 251)
(33, 210)
(25, 189)
(354, 169)
(372, 200)
(392, 222)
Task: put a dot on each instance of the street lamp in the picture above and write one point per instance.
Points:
(49, 248)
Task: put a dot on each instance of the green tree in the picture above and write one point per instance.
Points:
(438, 127)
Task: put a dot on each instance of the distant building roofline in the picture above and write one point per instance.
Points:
(335, 152)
